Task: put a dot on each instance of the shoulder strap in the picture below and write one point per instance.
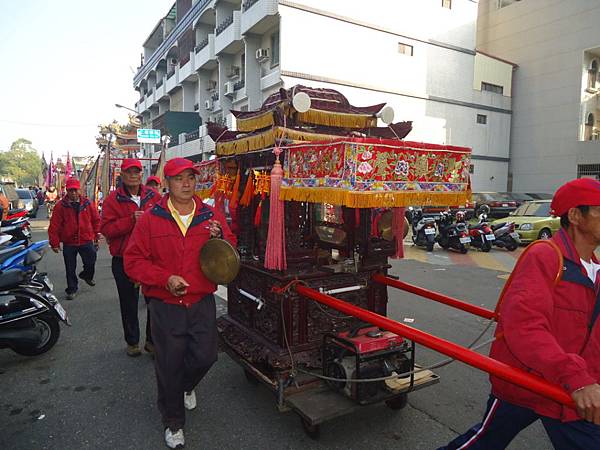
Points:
(520, 260)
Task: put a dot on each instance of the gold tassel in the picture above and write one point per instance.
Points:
(256, 123)
(371, 199)
(337, 119)
(246, 144)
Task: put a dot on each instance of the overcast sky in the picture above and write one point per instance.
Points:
(65, 63)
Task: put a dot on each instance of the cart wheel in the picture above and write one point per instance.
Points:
(397, 402)
(250, 378)
(312, 431)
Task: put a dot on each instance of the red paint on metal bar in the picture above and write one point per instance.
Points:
(513, 375)
(473, 309)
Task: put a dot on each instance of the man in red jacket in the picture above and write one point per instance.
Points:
(551, 330)
(75, 223)
(164, 256)
(120, 212)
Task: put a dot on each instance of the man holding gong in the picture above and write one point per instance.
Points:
(163, 255)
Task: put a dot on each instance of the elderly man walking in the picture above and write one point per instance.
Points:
(164, 256)
(120, 212)
(75, 223)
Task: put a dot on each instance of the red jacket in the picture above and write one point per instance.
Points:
(157, 250)
(74, 223)
(552, 332)
(118, 216)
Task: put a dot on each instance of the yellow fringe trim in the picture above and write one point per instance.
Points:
(302, 136)
(337, 119)
(246, 144)
(372, 199)
(256, 123)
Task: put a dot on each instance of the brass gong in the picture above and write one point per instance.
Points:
(219, 261)
(384, 226)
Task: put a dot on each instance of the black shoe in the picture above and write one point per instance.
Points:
(70, 295)
(89, 281)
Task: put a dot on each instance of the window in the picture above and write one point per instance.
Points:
(471, 168)
(492, 88)
(593, 75)
(243, 67)
(405, 49)
(482, 119)
(275, 49)
(588, 171)
(447, 4)
(589, 128)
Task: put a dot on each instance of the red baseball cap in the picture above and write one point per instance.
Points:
(177, 165)
(72, 183)
(580, 192)
(128, 163)
(153, 178)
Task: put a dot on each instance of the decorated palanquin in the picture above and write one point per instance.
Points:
(315, 197)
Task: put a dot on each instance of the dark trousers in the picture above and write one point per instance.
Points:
(185, 348)
(129, 295)
(88, 256)
(502, 421)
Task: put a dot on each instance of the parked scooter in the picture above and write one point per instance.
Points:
(482, 234)
(506, 236)
(30, 314)
(423, 229)
(452, 235)
(19, 229)
(15, 214)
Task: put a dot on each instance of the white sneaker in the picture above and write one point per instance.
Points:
(189, 400)
(174, 440)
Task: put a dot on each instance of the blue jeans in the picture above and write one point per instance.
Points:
(88, 256)
(502, 421)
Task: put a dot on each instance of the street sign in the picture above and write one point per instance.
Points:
(148, 136)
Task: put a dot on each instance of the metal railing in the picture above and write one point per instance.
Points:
(239, 85)
(174, 141)
(223, 25)
(192, 136)
(248, 4)
(179, 29)
(201, 45)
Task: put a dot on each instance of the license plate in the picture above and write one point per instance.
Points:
(465, 240)
(504, 204)
(61, 311)
(429, 230)
(490, 237)
(27, 233)
(515, 235)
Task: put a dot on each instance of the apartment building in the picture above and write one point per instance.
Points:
(208, 57)
(556, 109)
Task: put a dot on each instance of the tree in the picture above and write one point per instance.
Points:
(21, 163)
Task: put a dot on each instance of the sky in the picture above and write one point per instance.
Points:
(65, 63)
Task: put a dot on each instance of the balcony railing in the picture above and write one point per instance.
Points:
(201, 45)
(239, 85)
(223, 25)
(192, 136)
(248, 4)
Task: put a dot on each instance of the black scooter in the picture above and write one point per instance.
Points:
(423, 229)
(30, 314)
(452, 235)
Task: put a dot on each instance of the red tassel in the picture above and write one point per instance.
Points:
(258, 214)
(398, 231)
(275, 258)
(235, 193)
(220, 202)
(248, 191)
(356, 217)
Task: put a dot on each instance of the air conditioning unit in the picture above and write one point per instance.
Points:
(262, 54)
(208, 104)
(173, 61)
(230, 88)
(211, 85)
(234, 71)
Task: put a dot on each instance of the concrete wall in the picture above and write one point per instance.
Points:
(547, 39)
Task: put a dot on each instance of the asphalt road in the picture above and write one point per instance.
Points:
(87, 393)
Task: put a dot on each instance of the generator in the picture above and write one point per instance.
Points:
(367, 352)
